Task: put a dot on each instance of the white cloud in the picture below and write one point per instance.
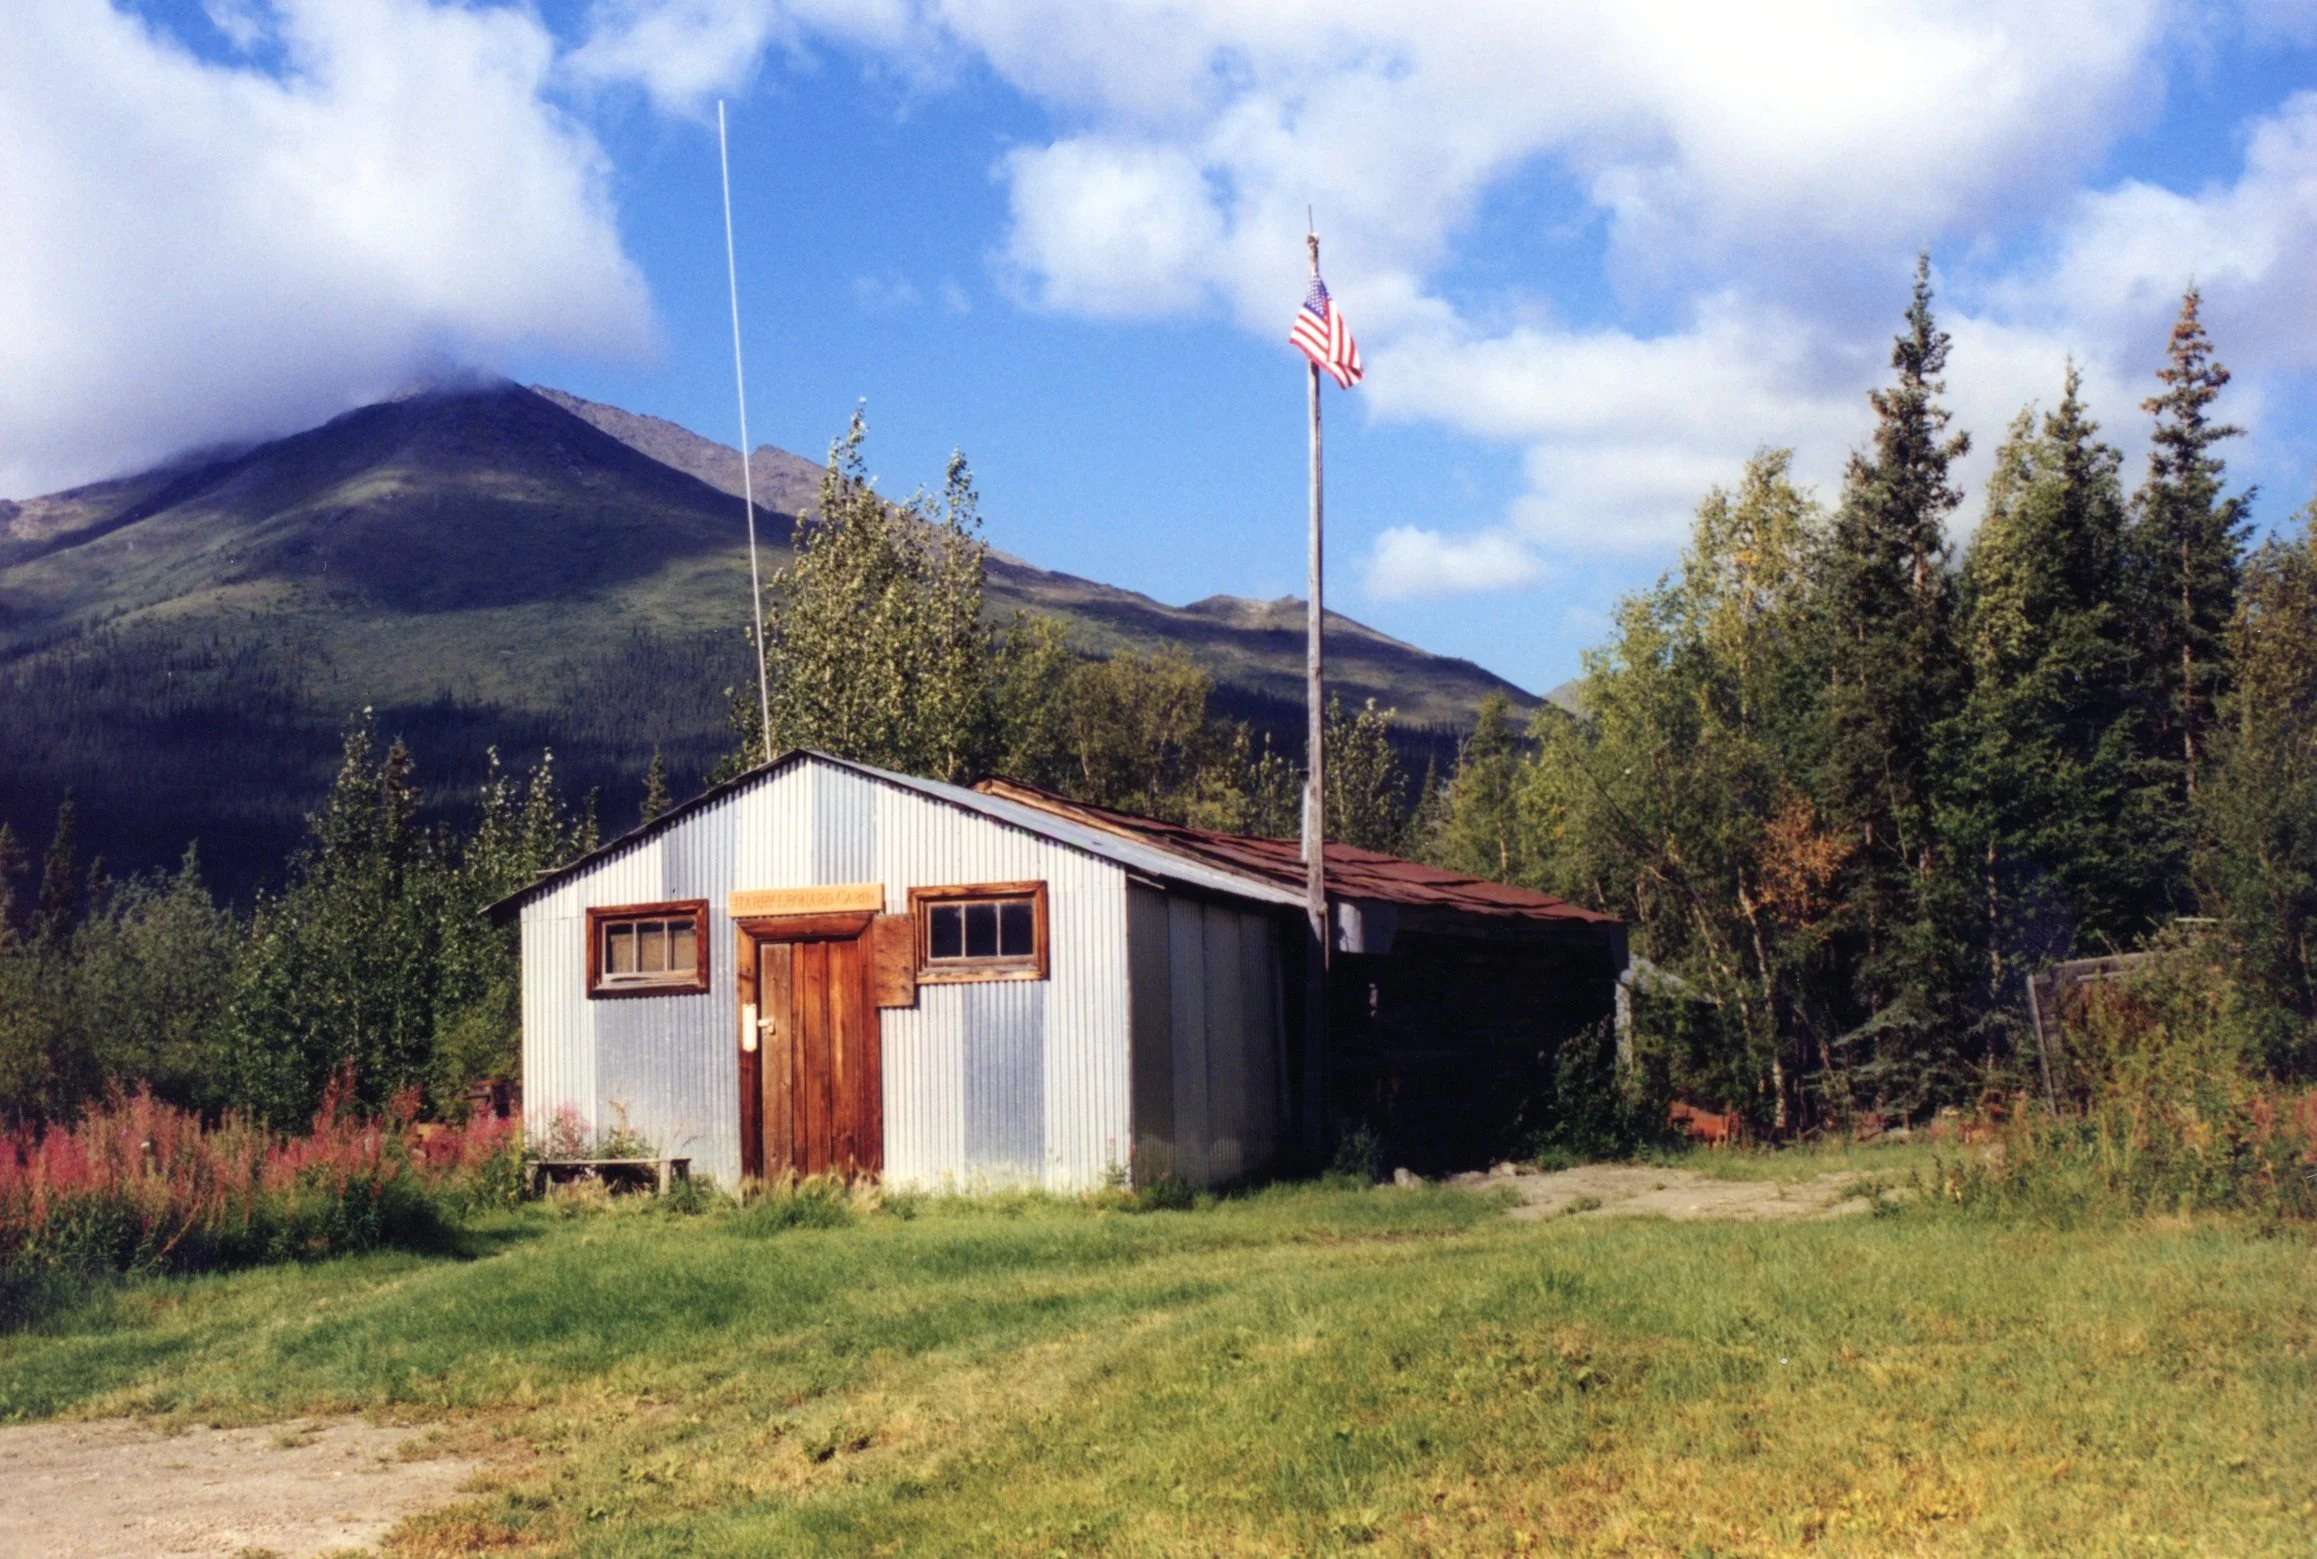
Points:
(1763, 175)
(197, 252)
(1412, 561)
(685, 52)
(1110, 229)
(1789, 135)
(243, 22)
(2125, 253)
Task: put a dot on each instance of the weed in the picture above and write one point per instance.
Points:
(816, 1202)
(1359, 1154)
(1165, 1194)
(2171, 1115)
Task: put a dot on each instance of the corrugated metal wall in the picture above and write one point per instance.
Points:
(1209, 1051)
(983, 1084)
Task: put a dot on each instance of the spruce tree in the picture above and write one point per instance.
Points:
(1480, 831)
(656, 799)
(53, 912)
(2040, 761)
(1887, 638)
(2258, 805)
(12, 862)
(2188, 552)
(344, 969)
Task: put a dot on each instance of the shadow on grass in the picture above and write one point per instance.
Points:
(53, 1299)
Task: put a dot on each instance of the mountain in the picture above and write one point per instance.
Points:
(1252, 648)
(491, 565)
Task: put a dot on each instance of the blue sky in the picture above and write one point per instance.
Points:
(1596, 253)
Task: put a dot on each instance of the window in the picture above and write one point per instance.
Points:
(987, 931)
(648, 949)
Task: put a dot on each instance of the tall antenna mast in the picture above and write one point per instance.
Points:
(747, 477)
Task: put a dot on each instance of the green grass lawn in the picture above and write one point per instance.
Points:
(1302, 1371)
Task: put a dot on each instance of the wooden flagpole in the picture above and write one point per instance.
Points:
(1315, 791)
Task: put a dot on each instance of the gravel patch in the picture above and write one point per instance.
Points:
(1637, 1190)
(117, 1488)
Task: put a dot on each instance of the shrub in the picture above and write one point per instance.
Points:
(1591, 1108)
(2172, 1114)
(1166, 1194)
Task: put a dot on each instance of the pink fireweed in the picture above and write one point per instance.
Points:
(138, 1185)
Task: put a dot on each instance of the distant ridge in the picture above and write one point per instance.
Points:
(1255, 646)
(482, 565)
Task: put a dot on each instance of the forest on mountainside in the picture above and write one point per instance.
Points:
(1847, 786)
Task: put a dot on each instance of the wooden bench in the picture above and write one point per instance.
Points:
(662, 1172)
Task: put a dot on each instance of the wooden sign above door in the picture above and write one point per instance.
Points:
(832, 899)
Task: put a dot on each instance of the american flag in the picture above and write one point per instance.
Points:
(1321, 335)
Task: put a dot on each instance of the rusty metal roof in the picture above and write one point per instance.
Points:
(1352, 873)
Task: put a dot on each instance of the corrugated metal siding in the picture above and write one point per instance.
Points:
(1005, 1081)
(982, 1083)
(1209, 1053)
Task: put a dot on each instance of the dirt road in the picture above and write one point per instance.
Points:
(123, 1490)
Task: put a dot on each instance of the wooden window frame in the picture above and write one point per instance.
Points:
(964, 971)
(675, 985)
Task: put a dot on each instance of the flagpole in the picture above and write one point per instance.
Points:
(747, 477)
(1315, 785)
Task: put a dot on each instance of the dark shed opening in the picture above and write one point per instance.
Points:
(1449, 998)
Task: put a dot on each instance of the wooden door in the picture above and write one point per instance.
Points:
(818, 1097)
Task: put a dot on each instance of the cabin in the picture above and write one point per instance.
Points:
(825, 967)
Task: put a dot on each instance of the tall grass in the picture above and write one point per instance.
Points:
(141, 1187)
(2170, 1112)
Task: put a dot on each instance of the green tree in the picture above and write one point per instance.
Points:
(57, 907)
(1031, 695)
(2260, 800)
(1367, 785)
(151, 976)
(1479, 830)
(1679, 799)
(12, 862)
(2187, 547)
(1245, 786)
(1137, 728)
(1891, 670)
(342, 968)
(656, 799)
(520, 831)
(2041, 759)
(875, 647)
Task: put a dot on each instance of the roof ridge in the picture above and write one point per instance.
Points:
(1353, 871)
